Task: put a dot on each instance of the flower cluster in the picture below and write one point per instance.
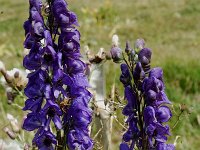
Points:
(147, 104)
(156, 111)
(57, 86)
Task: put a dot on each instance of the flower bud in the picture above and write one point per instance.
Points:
(128, 48)
(116, 54)
(138, 73)
(16, 74)
(125, 77)
(144, 53)
(139, 44)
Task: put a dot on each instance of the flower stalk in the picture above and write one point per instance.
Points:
(57, 88)
(147, 108)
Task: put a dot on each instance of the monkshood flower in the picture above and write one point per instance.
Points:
(130, 109)
(38, 90)
(147, 107)
(78, 115)
(156, 112)
(57, 87)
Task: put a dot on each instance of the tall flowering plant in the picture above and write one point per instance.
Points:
(147, 107)
(57, 92)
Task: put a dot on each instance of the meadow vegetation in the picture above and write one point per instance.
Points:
(170, 28)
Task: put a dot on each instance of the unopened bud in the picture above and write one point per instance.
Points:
(139, 44)
(116, 54)
(16, 74)
(115, 40)
(128, 48)
(144, 53)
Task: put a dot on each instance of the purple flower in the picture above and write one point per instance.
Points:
(156, 112)
(146, 109)
(53, 111)
(78, 139)
(78, 115)
(144, 57)
(34, 121)
(56, 90)
(157, 73)
(45, 140)
(138, 75)
(124, 146)
(163, 114)
(125, 77)
(164, 146)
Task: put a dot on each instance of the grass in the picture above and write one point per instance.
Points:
(170, 28)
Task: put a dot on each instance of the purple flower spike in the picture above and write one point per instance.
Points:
(147, 109)
(57, 88)
(156, 112)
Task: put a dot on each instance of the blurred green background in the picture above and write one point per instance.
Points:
(171, 28)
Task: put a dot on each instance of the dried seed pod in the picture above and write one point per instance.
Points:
(10, 133)
(14, 123)
(27, 146)
(10, 95)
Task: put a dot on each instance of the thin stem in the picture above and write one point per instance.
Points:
(59, 146)
(50, 17)
(54, 38)
(178, 119)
